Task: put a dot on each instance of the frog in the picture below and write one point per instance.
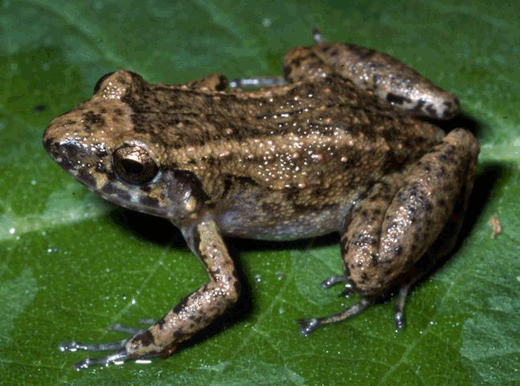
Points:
(325, 150)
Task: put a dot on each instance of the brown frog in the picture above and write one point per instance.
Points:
(339, 148)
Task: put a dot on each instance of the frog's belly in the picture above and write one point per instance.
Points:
(274, 221)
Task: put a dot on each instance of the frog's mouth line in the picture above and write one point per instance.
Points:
(132, 197)
(90, 165)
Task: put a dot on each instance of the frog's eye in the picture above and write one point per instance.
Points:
(101, 80)
(134, 165)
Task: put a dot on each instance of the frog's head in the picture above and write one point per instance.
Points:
(97, 142)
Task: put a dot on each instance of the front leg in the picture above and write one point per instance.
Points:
(191, 315)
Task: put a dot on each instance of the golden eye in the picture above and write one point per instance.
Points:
(134, 165)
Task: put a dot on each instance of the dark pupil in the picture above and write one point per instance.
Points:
(132, 167)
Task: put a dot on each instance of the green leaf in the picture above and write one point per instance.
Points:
(71, 264)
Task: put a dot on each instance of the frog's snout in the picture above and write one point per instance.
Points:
(75, 154)
(64, 153)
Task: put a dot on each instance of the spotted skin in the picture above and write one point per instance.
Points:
(322, 153)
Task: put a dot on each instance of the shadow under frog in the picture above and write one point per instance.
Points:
(340, 145)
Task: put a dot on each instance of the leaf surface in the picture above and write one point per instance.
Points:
(71, 264)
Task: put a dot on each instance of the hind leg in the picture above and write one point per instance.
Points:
(405, 217)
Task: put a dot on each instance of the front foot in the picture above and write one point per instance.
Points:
(117, 358)
(121, 348)
(190, 316)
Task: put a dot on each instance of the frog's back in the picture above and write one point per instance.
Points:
(288, 161)
(314, 139)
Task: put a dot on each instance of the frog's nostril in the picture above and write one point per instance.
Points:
(69, 150)
(64, 153)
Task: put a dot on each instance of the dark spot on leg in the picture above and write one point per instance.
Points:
(178, 334)
(161, 323)
(181, 306)
(145, 339)
(445, 159)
